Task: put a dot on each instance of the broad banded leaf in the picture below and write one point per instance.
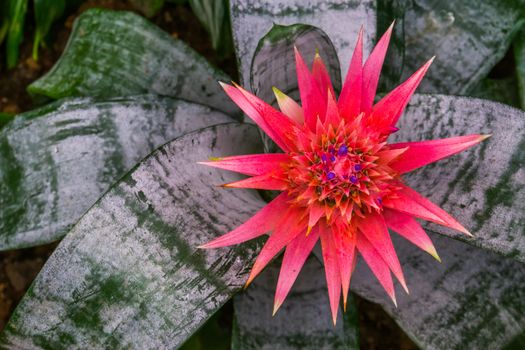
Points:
(15, 32)
(341, 21)
(55, 162)
(273, 63)
(519, 57)
(468, 37)
(474, 299)
(483, 186)
(46, 12)
(304, 321)
(113, 53)
(129, 274)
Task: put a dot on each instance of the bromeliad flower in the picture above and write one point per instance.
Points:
(341, 181)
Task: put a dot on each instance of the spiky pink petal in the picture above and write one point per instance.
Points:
(444, 218)
(410, 229)
(320, 74)
(331, 266)
(421, 153)
(251, 164)
(349, 102)
(288, 106)
(269, 181)
(294, 257)
(378, 266)
(372, 70)
(275, 124)
(259, 224)
(387, 111)
(376, 232)
(311, 97)
(286, 230)
(345, 248)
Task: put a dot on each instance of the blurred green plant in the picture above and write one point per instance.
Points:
(213, 14)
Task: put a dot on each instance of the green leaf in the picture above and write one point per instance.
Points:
(474, 299)
(129, 274)
(15, 32)
(303, 322)
(46, 12)
(468, 37)
(57, 161)
(483, 186)
(213, 14)
(5, 118)
(114, 53)
(148, 7)
(252, 19)
(499, 90)
(519, 57)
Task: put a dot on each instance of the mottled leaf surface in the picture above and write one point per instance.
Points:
(113, 53)
(129, 274)
(468, 37)
(483, 186)
(474, 299)
(55, 162)
(340, 20)
(304, 321)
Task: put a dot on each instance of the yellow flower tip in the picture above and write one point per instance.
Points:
(204, 246)
(344, 305)
(222, 84)
(215, 159)
(235, 84)
(308, 230)
(393, 297)
(484, 137)
(279, 95)
(434, 254)
(276, 306)
(317, 55)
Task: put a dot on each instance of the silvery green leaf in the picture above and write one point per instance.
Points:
(112, 53)
(304, 321)
(129, 274)
(55, 162)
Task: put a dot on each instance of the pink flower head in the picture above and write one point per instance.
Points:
(341, 181)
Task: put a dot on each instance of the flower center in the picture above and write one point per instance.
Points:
(342, 172)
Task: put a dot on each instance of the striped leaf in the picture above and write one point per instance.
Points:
(468, 37)
(113, 53)
(303, 322)
(55, 162)
(129, 274)
(252, 19)
(483, 186)
(474, 299)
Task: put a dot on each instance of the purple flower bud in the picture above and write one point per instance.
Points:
(330, 175)
(343, 151)
(353, 179)
(358, 167)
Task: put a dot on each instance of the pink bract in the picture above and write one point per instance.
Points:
(341, 181)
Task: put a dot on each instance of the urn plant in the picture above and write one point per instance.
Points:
(112, 167)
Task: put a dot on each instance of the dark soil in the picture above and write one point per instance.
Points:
(19, 268)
